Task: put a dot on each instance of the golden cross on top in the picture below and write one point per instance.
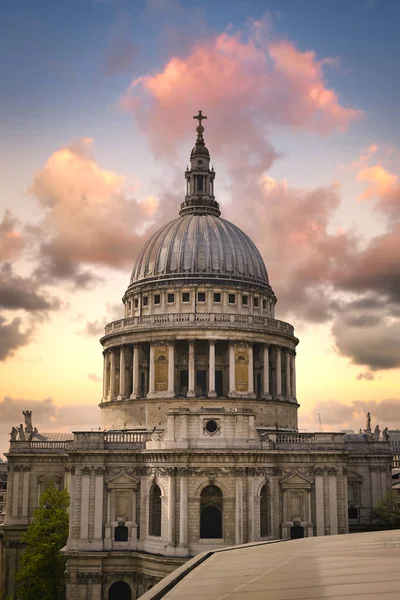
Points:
(200, 117)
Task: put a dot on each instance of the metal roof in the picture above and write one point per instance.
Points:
(200, 246)
(362, 565)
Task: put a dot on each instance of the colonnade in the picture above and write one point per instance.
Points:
(128, 369)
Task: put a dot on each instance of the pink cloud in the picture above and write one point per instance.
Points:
(88, 218)
(247, 86)
(381, 185)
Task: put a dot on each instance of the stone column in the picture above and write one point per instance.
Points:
(374, 485)
(135, 373)
(278, 366)
(98, 509)
(333, 516)
(15, 492)
(85, 475)
(250, 375)
(151, 370)
(287, 373)
(266, 393)
(191, 391)
(319, 502)
(294, 396)
(183, 514)
(112, 373)
(211, 370)
(25, 490)
(122, 374)
(171, 370)
(239, 511)
(171, 510)
(143, 522)
(250, 509)
(106, 374)
(232, 381)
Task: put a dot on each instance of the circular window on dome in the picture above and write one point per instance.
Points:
(211, 426)
(200, 162)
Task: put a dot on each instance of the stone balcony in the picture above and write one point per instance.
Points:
(200, 320)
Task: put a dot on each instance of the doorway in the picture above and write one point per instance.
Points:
(120, 590)
(296, 532)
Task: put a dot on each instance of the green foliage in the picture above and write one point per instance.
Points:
(388, 510)
(41, 575)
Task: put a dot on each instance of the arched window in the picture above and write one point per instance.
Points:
(211, 513)
(121, 533)
(120, 590)
(264, 511)
(155, 510)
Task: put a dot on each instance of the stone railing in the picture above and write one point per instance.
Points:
(126, 437)
(190, 320)
(40, 446)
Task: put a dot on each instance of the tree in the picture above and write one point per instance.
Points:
(42, 567)
(388, 510)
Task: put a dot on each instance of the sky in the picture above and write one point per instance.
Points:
(96, 106)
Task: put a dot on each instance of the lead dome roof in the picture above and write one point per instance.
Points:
(200, 246)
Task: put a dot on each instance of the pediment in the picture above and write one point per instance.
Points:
(352, 476)
(296, 481)
(122, 481)
(49, 476)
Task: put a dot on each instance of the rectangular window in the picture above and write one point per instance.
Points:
(217, 297)
(171, 298)
(201, 297)
(256, 302)
(245, 300)
(157, 299)
(264, 303)
(199, 183)
(185, 296)
(136, 302)
(145, 300)
(232, 298)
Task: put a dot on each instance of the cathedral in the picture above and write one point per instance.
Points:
(199, 446)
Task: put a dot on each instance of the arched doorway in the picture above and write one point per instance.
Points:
(120, 590)
(296, 532)
(211, 513)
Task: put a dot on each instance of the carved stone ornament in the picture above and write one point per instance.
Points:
(17, 468)
(86, 470)
(157, 471)
(332, 471)
(305, 471)
(70, 469)
(85, 578)
(121, 470)
(99, 470)
(319, 470)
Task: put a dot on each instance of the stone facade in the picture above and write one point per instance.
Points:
(200, 447)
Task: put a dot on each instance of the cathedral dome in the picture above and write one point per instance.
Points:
(202, 246)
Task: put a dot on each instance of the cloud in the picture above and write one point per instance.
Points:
(22, 293)
(12, 337)
(247, 86)
(46, 416)
(94, 377)
(336, 415)
(381, 185)
(368, 376)
(89, 221)
(11, 240)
